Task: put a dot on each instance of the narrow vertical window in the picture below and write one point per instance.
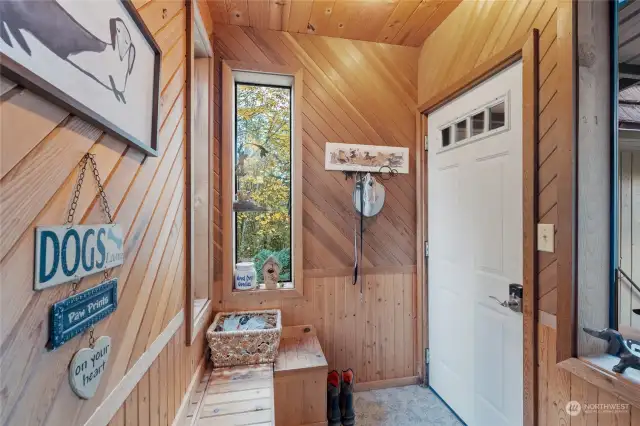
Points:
(263, 170)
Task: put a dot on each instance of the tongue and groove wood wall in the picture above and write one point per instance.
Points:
(354, 92)
(41, 145)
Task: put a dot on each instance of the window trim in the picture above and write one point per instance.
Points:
(196, 33)
(229, 70)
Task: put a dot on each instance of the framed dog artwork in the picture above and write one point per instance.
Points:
(96, 59)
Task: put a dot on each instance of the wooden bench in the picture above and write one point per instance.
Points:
(290, 392)
(238, 396)
(300, 374)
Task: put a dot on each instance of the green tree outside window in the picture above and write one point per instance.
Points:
(263, 175)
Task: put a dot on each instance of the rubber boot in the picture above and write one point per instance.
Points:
(333, 398)
(346, 398)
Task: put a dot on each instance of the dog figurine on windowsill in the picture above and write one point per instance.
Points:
(618, 346)
(271, 272)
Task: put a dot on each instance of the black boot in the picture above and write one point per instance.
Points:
(333, 398)
(346, 398)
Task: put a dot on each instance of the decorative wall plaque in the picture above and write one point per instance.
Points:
(79, 312)
(88, 366)
(68, 253)
(96, 59)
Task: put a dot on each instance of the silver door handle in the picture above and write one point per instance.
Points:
(514, 303)
(505, 303)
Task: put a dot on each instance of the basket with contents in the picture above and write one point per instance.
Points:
(244, 338)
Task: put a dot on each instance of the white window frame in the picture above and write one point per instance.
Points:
(467, 116)
(233, 72)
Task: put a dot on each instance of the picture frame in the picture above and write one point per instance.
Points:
(98, 68)
(366, 158)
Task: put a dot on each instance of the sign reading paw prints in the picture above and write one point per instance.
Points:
(573, 408)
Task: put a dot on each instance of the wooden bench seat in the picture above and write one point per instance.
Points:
(290, 392)
(300, 374)
(237, 396)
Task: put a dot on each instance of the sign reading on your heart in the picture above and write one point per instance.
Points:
(87, 367)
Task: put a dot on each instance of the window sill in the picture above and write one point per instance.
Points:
(598, 370)
(200, 318)
(289, 290)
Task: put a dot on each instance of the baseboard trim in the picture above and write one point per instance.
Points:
(112, 403)
(384, 384)
(181, 415)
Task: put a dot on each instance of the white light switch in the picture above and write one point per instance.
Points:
(546, 237)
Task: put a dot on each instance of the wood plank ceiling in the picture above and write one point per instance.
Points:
(403, 22)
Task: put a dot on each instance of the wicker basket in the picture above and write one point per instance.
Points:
(244, 347)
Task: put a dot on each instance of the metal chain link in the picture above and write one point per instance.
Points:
(104, 203)
(76, 192)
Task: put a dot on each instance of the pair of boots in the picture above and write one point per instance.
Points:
(340, 399)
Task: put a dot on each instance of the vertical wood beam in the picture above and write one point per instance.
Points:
(421, 331)
(189, 174)
(566, 166)
(530, 60)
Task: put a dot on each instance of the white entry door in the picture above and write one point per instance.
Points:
(475, 251)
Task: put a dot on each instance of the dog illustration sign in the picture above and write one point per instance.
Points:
(68, 253)
(96, 59)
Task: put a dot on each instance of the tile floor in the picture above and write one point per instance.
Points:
(405, 406)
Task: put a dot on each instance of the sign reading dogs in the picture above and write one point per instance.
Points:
(68, 253)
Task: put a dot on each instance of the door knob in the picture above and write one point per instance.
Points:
(505, 303)
(515, 298)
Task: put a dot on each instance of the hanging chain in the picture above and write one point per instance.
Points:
(103, 196)
(76, 192)
(104, 203)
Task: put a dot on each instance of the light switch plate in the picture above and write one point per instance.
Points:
(546, 237)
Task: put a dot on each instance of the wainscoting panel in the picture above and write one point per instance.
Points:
(556, 387)
(374, 334)
(157, 397)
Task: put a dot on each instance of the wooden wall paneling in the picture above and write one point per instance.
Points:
(565, 238)
(29, 118)
(422, 237)
(146, 196)
(190, 110)
(74, 138)
(557, 387)
(202, 179)
(6, 85)
(530, 64)
(334, 110)
(357, 332)
(159, 293)
(205, 14)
